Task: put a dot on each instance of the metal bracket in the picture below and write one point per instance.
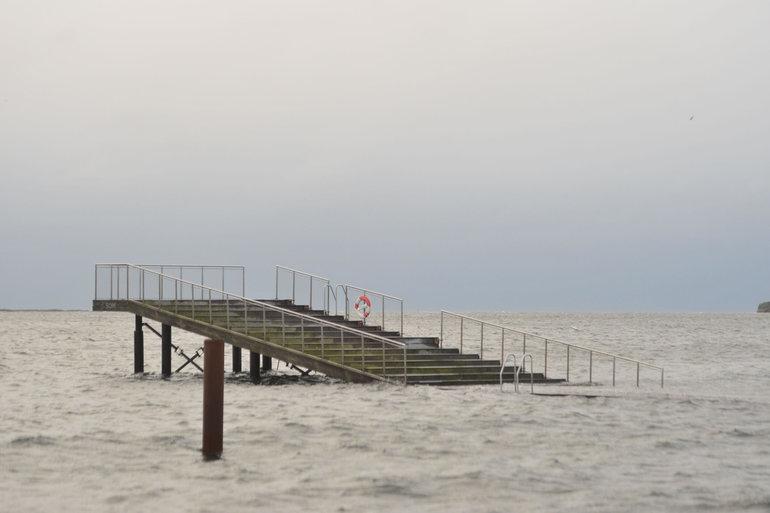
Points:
(180, 352)
(303, 372)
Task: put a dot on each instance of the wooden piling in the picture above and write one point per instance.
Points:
(236, 359)
(213, 397)
(165, 360)
(254, 366)
(138, 345)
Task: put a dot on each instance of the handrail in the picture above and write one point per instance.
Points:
(331, 292)
(182, 267)
(294, 273)
(265, 306)
(531, 373)
(383, 297)
(505, 360)
(546, 340)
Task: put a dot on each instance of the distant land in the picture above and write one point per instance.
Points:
(42, 310)
(764, 307)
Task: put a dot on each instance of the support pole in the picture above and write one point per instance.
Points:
(165, 357)
(236, 359)
(138, 345)
(254, 366)
(213, 397)
(267, 363)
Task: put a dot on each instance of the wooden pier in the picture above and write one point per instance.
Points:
(313, 339)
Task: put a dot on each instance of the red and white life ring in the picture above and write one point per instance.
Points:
(363, 306)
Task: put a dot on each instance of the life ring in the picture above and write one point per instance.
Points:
(363, 306)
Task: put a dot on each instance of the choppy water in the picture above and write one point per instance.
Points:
(79, 433)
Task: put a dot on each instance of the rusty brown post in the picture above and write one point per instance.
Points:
(213, 397)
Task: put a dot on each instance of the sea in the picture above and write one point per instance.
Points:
(79, 432)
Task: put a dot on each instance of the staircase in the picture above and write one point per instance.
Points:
(297, 334)
(425, 362)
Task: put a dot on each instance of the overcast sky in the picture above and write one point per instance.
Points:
(504, 155)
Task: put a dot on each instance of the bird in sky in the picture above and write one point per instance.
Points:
(692, 116)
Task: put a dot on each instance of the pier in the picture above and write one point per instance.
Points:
(311, 333)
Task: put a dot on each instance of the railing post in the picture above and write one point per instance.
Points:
(461, 334)
(402, 318)
(223, 278)
(524, 351)
(382, 298)
(211, 314)
(310, 302)
(590, 366)
(481, 355)
(441, 333)
(405, 367)
(202, 284)
(383, 356)
(128, 295)
(545, 361)
(502, 344)
(567, 363)
(160, 284)
(245, 318)
(227, 311)
(293, 286)
(276, 282)
(243, 282)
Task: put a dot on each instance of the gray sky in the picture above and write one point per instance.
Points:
(521, 155)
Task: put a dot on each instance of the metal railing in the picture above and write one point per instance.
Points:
(194, 271)
(338, 292)
(525, 337)
(383, 299)
(517, 370)
(130, 282)
(311, 278)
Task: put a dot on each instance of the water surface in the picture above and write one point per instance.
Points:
(78, 432)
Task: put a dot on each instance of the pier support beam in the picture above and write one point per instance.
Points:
(267, 363)
(165, 357)
(138, 345)
(213, 397)
(254, 366)
(236, 359)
